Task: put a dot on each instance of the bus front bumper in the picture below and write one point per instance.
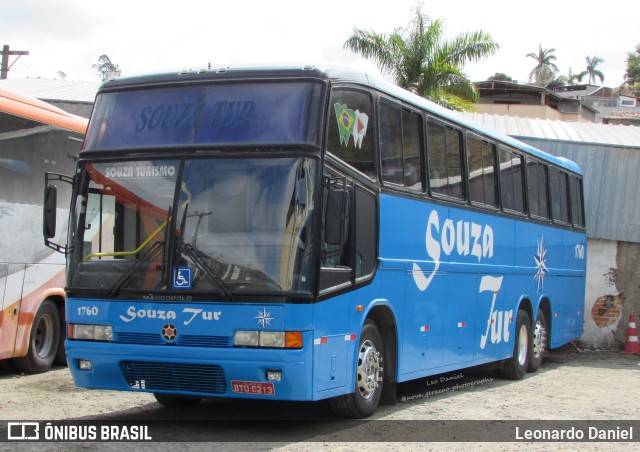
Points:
(273, 374)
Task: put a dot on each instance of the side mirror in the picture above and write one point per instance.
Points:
(49, 209)
(49, 212)
(337, 217)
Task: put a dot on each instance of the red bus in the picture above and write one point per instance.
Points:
(34, 137)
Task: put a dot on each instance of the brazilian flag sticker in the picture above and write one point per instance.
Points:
(351, 124)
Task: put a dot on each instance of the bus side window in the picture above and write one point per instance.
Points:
(577, 210)
(512, 195)
(445, 162)
(482, 172)
(454, 163)
(350, 131)
(391, 144)
(400, 145)
(436, 145)
(559, 204)
(356, 257)
(366, 235)
(336, 247)
(412, 147)
(537, 189)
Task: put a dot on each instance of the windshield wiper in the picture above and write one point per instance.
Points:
(148, 256)
(186, 250)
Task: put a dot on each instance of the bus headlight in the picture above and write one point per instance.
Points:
(246, 338)
(271, 339)
(268, 339)
(82, 332)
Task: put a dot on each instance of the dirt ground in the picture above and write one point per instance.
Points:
(571, 386)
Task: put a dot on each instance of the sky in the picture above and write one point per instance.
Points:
(143, 36)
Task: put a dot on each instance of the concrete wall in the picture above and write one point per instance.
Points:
(628, 282)
(82, 109)
(612, 293)
(527, 111)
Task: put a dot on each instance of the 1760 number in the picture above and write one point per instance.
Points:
(88, 310)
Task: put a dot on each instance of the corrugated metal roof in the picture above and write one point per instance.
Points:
(546, 129)
(54, 90)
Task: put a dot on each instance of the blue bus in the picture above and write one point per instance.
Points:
(306, 234)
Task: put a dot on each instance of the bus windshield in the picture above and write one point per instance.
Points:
(224, 226)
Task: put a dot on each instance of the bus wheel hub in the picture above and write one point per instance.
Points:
(369, 369)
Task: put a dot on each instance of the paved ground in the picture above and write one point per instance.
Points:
(571, 386)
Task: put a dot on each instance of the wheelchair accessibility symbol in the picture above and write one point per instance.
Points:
(182, 277)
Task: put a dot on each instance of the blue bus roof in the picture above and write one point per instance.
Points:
(333, 74)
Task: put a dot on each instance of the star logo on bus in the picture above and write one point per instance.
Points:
(541, 263)
(264, 317)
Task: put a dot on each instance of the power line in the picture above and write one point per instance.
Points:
(22, 64)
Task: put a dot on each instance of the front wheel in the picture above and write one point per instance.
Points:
(368, 375)
(43, 340)
(516, 367)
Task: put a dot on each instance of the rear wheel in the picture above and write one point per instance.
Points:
(43, 340)
(170, 400)
(516, 367)
(369, 376)
(539, 343)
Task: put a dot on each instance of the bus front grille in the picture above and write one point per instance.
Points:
(184, 340)
(207, 379)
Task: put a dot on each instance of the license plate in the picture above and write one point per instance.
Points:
(252, 387)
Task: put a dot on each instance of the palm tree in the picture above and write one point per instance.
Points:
(564, 80)
(557, 82)
(591, 71)
(572, 78)
(419, 59)
(544, 72)
(106, 69)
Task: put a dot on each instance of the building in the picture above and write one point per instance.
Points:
(529, 101)
(609, 155)
(625, 118)
(612, 106)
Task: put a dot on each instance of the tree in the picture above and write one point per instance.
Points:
(591, 71)
(557, 82)
(544, 72)
(572, 78)
(106, 69)
(419, 58)
(632, 74)
(563, 80)
(500, 77)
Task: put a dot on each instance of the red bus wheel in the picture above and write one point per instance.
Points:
(43, 341)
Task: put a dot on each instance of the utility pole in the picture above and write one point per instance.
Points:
(5, 59)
